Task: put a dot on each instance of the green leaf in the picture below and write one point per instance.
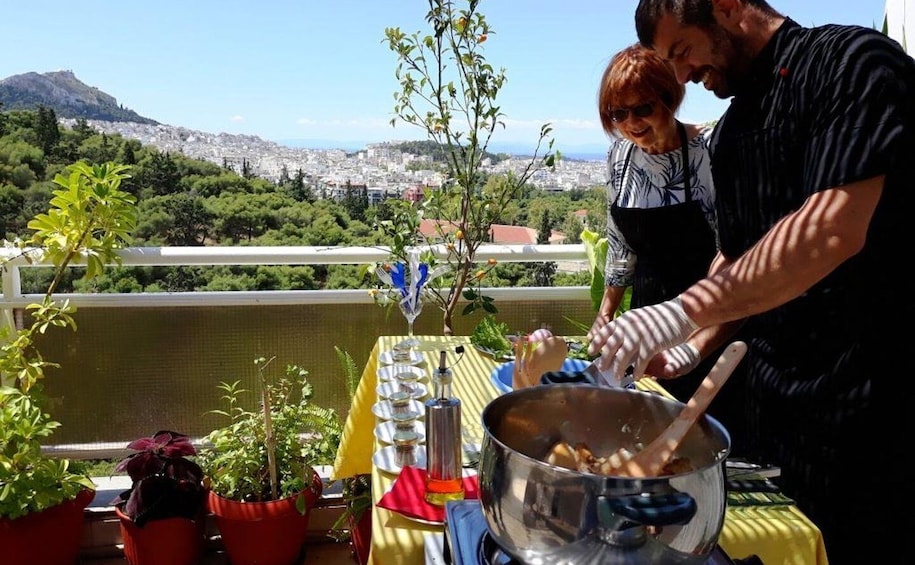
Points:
(596, 248)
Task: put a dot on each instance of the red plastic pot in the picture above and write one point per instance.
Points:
(264, 533)
(170, 541)
(361, 536)
(49, 537)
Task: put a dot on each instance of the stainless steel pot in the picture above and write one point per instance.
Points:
(540, 513)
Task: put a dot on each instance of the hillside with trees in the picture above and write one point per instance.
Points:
(190, 202)
(68, 96)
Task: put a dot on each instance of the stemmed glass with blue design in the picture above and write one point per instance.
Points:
(411, 307)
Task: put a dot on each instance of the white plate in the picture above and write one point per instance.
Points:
(385, 390)
(389, 372)
(385, 431)
(387, 358)
(385, 411)
(386, 459)
(504, 357)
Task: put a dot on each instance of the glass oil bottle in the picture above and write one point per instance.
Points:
(443, 440)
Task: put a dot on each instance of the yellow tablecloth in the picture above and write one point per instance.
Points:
(779, 535)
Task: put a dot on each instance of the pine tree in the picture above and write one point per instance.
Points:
(47, 130)
(544, 272)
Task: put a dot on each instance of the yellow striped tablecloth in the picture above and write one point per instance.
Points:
(779, 535)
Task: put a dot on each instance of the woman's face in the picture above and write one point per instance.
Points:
(647, 123)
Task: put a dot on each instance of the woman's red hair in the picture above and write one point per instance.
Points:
(640, 71)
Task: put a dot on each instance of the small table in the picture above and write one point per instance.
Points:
(776, 534)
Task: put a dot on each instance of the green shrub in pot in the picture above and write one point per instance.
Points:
(270, 453)
(89, 218)
(30, 481)
(260, 467)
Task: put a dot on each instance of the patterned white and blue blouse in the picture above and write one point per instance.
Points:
(653, 181)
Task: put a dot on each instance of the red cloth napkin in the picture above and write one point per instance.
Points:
(407, 496)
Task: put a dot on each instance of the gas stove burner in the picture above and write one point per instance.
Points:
(491, 553)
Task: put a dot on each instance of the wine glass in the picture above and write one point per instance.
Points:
(411, 309)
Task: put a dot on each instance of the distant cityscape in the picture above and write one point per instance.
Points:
(380, 167)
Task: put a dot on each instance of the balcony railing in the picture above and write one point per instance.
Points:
(141, 362)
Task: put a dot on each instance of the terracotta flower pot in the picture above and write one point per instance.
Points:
(264, 533)
(361, 536)
(169, 541)
(50, 537)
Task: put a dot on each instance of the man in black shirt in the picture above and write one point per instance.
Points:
(814, 168)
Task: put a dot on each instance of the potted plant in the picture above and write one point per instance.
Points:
(449, 90)
(260, 467)
(163, 513)
(355, 522)
(41, 499)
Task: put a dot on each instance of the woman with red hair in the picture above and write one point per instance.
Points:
(661, 223)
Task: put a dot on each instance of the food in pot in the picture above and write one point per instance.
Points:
(580, 458)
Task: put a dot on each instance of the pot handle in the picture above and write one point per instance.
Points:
(650, 510)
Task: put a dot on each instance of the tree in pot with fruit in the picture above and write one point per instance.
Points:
(41, 499)
(449, 90)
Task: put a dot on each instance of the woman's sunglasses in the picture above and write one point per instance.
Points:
(640, 111)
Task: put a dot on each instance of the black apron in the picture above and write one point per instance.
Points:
(674, 245)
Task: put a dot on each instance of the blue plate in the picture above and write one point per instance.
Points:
(502, 375)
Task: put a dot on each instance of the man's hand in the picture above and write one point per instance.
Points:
(638, 335)
(673, 362)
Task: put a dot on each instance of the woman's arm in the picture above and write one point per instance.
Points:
(613, 295)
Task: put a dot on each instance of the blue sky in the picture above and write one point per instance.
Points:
(308, 69)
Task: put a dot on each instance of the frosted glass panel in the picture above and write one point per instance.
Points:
(128, 372)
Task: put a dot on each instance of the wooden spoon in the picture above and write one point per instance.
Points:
(649, 461)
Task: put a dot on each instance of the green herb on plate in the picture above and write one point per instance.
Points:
(489, 336)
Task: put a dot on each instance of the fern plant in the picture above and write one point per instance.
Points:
(356, 490)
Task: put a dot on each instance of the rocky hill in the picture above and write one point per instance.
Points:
(66, 95)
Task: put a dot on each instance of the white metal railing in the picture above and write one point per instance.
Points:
(13, 297)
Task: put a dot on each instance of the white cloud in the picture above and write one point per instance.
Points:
(366, 123)
(565, 123)
(570, 130)
(236, 118)
(577, 123)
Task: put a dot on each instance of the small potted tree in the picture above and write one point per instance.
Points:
(260, 467)
(449, 90)
(163, 513)
(41, 499)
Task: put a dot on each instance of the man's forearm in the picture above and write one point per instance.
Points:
(800, 250)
